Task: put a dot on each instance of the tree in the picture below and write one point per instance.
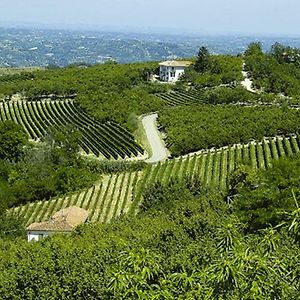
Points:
(254, 49)
(203, 61)
(12, 140)
(277, 51)
(11, 226)
(64, 145)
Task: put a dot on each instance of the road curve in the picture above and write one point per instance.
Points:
(159, 151)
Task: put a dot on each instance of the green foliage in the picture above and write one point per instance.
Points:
(102, 139)
(275, 72)
(107, 166)
(163, 198)
(285, 54)
(254, 48)
(242, 177)
(107, 92)
(193, 249)
(45, 171)
(268, 202)
(202, 63)
(196, 127)
(11, 226)
(65, 146)
(12, 140)
(132, 122)
(220, 69)
(226, 95)
(294, 218)
(187, 242)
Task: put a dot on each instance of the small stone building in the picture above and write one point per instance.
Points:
(171, 70)
(63, 221)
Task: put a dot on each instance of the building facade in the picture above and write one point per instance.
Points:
(63, 221)
(170, 71)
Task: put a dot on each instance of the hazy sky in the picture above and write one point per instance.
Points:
(209, 16)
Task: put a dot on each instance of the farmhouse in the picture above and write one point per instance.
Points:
(171, 70)
(63, 221)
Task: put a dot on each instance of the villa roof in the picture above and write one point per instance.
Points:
(176, 63)
(64, 220)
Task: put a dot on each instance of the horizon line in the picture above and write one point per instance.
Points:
(146, 30)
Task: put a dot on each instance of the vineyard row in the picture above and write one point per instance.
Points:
(119, 194)
(36, 117)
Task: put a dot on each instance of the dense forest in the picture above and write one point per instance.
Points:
(225, 226)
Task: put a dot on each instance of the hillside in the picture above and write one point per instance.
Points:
(217, 219)
(186, 243)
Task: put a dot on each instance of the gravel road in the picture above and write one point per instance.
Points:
(247, 83)
(159, 151)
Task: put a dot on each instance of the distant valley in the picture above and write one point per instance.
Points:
(27, 48)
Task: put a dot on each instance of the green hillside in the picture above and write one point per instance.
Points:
(121, 193)
(218, 219)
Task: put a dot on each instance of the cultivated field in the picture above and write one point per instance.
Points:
(118, 194)
(107, 140)
(181, 98)
(108, 199)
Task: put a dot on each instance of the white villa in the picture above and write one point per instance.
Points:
(63, 221)
(171, 70)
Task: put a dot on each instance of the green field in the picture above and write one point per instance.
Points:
(118, 194)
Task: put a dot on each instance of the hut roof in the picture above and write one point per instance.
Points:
(64, 220)
(175, 63)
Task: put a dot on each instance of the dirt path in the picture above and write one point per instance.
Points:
(247, 83)
(159, 151)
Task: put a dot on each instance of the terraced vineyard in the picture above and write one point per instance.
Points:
(181, 98)
(106, 200)
(119, 194)
(213, 166)
(101, 139)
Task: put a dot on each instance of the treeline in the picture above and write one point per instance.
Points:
(195, 127)
(275, 72)
(108, 92)
(212, 70)
(187, 243)
(32, 172)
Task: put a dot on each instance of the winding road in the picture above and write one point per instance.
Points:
(159, 151)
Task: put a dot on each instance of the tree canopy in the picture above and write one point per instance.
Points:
(203, 61)
(12, 140)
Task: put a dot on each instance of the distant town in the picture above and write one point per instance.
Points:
(32, 47)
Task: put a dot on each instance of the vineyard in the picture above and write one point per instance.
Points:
(107, 140)
(174, 98)
(213, 167)
(118, 194)
(106, 200)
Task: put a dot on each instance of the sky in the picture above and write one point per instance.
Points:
(273, 17)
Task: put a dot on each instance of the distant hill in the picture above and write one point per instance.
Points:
(33, 47)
